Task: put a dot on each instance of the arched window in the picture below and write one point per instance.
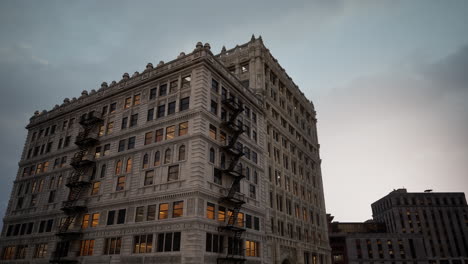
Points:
(212, 155)
(223, 161)
(118, 167)
(128, 167)
(157, 159)
(103, 171)
(182, 152)
(145, 161)
(167, 156)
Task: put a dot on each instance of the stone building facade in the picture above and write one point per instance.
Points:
(440, 218)
(177, 164)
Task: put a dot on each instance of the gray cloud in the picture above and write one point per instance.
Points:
(405, 127)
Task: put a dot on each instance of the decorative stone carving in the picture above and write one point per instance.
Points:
(149, 66)
(135, 74)
(207, 46)
(125, 76)
(199, 45)
(161, 63)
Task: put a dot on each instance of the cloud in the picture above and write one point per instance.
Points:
(404, 127)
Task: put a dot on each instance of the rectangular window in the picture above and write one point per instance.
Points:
(163, 90)
(52, 196)
(41, 251)
(163, 211)
(112, 246)
(170, 132)
(112, 108)
(173, 173)
(85, 222)
(186, 81)
(95, 219)
(143, 244)
(151, 212)
(248, 221)
(87, 247)
(184, 104)
(256, 223)
(124, 123)
(213, 132)
(149, 177)
(136, 99)
(214, 243)
(150, 114)
(214, 107)
(214, 86)
(178, 209)
(173, 86)
(251, 248)
(133, 120)
(210, 211)
(152, 93)
(168, 242)
(110, 217)
(171, 108)
(120, 183)
(131, 143)
(159, 135)
(128, 102)
(121, 145)
(161, 111)
(121, 216)
(110, 127)
(139, 214)
(148, 138)
(106, 150)
(221, 214)
(183, 128)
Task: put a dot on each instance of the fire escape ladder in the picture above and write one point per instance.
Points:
(78, 182)
(233, 199)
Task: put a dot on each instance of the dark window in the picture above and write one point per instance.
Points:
(184, 103)
(214, 107)
(124, 122)
(248, 221)
(110, 217)
(121, 145)
(153, 93)
(161, 111)
(150, 115)
(121, 216)
(171, 108)
(112, 108)
(133, 120)
(168, 242)
(163, 90)
(214, 86)
(131, 143)
(256, 223)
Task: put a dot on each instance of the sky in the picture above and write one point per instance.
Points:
(389, 79)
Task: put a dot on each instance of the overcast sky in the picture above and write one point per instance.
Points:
(389, 79)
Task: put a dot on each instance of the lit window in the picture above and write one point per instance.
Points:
(112, 108)
(159, 135)
(213, 132)
(120, 183)
(173, 173)
(128, 167)
(41, 250)
(85, 222)
(163, 211)
(128, 102)
(143, 244)
(170, 132)
(210, 211)
(251, 248)
(136, 99)
(178, 209)
(87, 247)
(95, 220)
(95, 188)
(182, 152)
(148, 137)
(221, 214)
(183, 128)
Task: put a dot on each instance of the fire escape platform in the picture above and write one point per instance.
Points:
(87, 142)
(82, 163)
(90, 120)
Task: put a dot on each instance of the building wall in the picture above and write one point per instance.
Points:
(292, 169)
(194, 185)
(439, 217)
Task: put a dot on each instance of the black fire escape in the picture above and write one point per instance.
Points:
(83, 164)
(233, 200)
